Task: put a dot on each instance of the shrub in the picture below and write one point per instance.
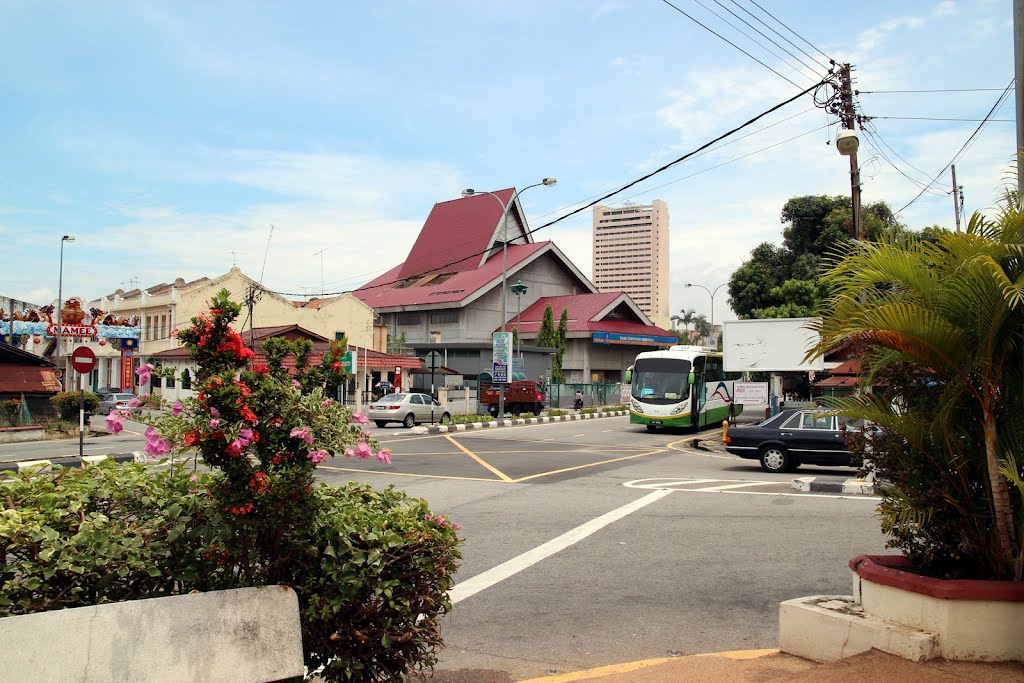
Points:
(557, 412)
(467, 419)
(10, 410)
(66, 404)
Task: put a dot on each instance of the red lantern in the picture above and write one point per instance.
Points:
(36, 340)
(103, 342)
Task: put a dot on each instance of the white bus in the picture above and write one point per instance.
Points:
(682, 386)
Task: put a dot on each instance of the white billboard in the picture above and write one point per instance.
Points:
(771, 345)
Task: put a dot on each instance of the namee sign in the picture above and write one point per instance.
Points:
(83, 359)
(72, 330)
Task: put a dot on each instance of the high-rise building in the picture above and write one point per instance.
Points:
(631, 255)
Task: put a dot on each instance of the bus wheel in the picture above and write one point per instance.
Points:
(776, 459)
(652, 428)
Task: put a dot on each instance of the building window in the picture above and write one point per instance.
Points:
(442, 317)
(338, 336)
(186, 379)
(408, 318)
(170, 380)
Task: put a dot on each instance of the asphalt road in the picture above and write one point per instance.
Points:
(594, 542)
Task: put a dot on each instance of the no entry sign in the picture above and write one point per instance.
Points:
(83, 359)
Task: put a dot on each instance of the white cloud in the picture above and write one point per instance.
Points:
(945, 8)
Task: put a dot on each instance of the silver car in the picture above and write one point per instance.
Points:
(408, 408)
(117, 402)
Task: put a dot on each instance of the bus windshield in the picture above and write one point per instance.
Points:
(661, 380)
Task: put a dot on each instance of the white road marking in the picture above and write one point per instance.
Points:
(740, 486)
(480, 582)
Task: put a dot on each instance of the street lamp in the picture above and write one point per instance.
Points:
(60, 302)
(712, 295)
(519, 289)
(469, 192)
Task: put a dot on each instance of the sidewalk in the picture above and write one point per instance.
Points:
(766, 666)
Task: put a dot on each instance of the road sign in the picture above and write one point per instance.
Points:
(348, 360)
(433, 360)
(83, 359)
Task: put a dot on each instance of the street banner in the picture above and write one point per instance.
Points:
(501, 348)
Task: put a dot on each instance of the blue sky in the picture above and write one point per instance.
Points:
(166, 136)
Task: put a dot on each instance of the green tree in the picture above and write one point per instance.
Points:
(702, 327)
(686, 317)
(560, 336)
(949, 311)
(547, 336)
(782, 282)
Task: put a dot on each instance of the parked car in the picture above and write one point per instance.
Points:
(117, 402)
(408, 408)
(793, 438)
(103, 391)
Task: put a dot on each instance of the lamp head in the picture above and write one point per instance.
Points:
(67, 238)
(468, 192)
(847, 142)
(549, 181)
(688, 284)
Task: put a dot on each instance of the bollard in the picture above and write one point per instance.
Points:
(725, 431)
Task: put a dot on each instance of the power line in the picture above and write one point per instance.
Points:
(755, 41)
(762, 34)
(974, 135)
(730, 42)
(873, 130)
(612, 193)
(762, 22)
(754, 3)
(890, 92)
(882, 154)
(938, 118)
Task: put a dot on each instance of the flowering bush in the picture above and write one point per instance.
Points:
(371, 569)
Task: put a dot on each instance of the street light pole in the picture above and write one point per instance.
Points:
(60, 303)
(712, 295)
(519, 289)
(469, 192)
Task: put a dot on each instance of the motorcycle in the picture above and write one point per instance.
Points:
(578, 404)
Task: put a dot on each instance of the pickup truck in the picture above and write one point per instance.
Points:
(521, 396)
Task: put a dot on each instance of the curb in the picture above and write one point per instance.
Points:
(73, 462)
(469, 426)
(850, 487)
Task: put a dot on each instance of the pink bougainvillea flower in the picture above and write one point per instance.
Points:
(126, 414)
(114, 423)
(317, 456)
(245, 434)
(152, 433)
(349, 452)
(214, 412)
(363, 450)
(134, 403)
(326, 402)
(303, 434)
(237, 446)
(384, 455)
(296, 384)
(214, 423)
(177, 408)
(143, 372)
(361, 418)
(157, 447)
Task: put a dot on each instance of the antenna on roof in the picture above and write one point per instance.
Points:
(234, 257)
(321, 253)
(266, 253)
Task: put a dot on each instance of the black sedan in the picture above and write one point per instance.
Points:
(793, 438)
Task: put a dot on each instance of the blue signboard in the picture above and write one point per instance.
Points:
(633, 339)
(501, 347)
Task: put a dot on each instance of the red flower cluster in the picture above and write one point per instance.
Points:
(260, 483)
(233, 344)
(192, 437)
(261, 369)
(240, 509)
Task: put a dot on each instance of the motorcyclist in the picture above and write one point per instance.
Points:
(578, 402)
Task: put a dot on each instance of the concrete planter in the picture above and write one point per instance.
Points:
(908, 615)
(974, 620)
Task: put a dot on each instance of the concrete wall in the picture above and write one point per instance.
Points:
(244, 635)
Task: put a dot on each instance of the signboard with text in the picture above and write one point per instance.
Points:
(127, 380)
(750, 392)
(501, 348)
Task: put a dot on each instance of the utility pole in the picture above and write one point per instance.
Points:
(849, 121)
(1018, 71)
(956, 198)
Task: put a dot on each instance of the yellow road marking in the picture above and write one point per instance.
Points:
(405, 474)
(627, 667)
(581, 467)
(502, 475)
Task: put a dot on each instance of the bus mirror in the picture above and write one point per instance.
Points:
(691, 379)
(629, 376)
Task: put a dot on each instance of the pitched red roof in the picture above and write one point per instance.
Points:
(381, 293)
(27, 379)
(457, 232)
(583, 311)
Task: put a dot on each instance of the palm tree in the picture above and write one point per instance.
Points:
(687, 318)
(951, 310)
(702, 327)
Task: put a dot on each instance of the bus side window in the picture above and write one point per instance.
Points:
(713, 369)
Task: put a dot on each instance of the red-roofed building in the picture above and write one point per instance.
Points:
(24, 375)
(447, 296)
